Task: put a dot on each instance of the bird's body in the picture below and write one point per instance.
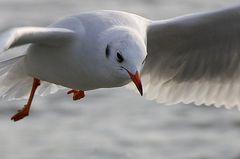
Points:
(189, 59)
(68, 65)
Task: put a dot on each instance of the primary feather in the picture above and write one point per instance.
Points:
(195, 59)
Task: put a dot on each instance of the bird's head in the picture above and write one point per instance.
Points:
(124, 54)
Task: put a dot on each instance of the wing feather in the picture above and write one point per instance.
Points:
(25, 35)
(16, 84)
(195, 59)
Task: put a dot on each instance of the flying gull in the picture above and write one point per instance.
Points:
(189, 59)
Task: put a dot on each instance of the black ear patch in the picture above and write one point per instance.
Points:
(107, 52)
(120, 59)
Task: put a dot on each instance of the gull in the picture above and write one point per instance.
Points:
(188, 59)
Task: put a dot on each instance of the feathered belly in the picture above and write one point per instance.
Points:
(54, 65)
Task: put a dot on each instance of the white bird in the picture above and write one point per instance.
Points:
(189, 59)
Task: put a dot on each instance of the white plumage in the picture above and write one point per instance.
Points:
(190, 59)
(195, 59)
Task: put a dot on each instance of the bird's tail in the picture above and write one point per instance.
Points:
(16, 84)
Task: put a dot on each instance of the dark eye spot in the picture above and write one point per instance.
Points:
(107, 52)
(120, 59)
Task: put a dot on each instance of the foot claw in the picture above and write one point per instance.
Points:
(20, 114)
(76, 94)
(71, 91)
(25, 110)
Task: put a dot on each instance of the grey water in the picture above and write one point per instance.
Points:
(113, 123)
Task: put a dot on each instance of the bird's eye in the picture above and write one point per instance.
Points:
(120, 59)
(107, 52)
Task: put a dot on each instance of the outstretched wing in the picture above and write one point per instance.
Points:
(25, 35)
(195, 59)
(16, 84)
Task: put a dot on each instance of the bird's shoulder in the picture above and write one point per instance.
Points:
(110, 15)
(102, 19)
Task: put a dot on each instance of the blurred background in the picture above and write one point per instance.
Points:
(113, 123)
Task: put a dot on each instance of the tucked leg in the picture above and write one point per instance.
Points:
(77, 94)
(25, 110)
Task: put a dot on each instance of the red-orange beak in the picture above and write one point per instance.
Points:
(137, 81)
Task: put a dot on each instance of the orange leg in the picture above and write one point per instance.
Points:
(25, 110)
(77, 94)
